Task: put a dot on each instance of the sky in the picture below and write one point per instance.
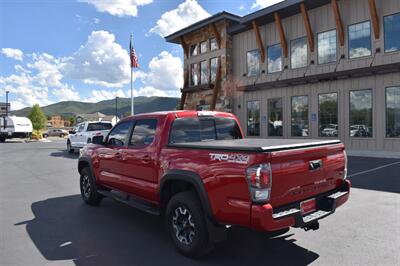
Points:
(59, 50)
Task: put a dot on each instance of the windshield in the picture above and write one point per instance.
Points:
(204, 129)
(99, 126)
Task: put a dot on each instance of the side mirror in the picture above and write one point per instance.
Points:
(99, 140)
(71, 132)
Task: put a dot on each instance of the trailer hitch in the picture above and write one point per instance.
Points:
(312, 226)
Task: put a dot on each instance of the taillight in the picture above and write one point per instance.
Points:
(345, 166)
(259, 178)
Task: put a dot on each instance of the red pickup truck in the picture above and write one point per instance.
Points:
(197, 170)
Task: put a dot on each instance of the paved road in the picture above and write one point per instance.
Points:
(44, 222)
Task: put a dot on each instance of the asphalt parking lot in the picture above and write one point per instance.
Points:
(44, 222)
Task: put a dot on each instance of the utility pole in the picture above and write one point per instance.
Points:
(116, 109)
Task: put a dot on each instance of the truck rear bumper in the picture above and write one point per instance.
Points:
(264, 217)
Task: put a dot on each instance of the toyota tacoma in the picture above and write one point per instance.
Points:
(198, 171)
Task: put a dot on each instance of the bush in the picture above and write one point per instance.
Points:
(36, 134)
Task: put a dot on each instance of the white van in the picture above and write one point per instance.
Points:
(14, 127)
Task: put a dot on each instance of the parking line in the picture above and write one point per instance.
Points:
(374, 169)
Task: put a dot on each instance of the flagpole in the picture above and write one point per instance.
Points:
(132, 99)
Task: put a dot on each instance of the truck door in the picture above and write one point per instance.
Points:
(111, 161)
(140, 162)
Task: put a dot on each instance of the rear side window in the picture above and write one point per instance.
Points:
(203, 129)
(119, 134)
(143, 132)
(99, 126)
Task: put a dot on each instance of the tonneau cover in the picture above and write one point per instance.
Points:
(255, 145)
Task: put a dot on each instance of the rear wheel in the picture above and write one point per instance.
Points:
(45, 136)
(2, 139)
(62, 135)
(89, 188)
(69, 147)
(186, 224)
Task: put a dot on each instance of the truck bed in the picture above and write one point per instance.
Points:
(255, 145)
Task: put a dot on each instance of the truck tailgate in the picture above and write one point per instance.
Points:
(300, 174)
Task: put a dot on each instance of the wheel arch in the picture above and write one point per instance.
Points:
(194, 180)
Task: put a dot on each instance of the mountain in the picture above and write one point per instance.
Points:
(71, 108)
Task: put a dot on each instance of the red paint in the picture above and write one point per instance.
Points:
(138, 171)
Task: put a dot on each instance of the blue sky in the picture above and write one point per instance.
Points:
(55, 50)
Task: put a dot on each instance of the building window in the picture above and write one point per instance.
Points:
(360, 40)
(274, 58)
(392, 32)
(299, 116)
(213, 69)
(253, 63)
(203, 72)
(328, 115)
(361, 113)
(393, 112)
(213, 44)
(203, 47)
(327, 47)
(194, 74)
(275, 117)
(253, 118)
(299, 53)
(194, 49)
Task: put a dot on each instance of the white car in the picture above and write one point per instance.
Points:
(84, 133)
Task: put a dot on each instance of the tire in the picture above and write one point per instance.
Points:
(69, 147)
(62, 135)
(88, 188)
(45, 136)
(184, 210)
(2, 139)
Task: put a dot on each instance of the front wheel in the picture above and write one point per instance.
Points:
(186, 224)
(69, 147)
(88, 186)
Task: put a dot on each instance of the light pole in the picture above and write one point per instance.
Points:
(7, 92)
(116, 109)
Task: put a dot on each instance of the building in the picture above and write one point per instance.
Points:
(3, 108)
(56, 121)
(96, 117)
(301, 69)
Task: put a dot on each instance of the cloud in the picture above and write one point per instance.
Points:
(165, 74)
(184, 15)
(120, 8)
(359, 52)
(258, 4)
(102, 95)
(101, 61)
(13, 53)
(66, 93)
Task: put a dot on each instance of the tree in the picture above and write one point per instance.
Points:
(38, 118)
(72, 121)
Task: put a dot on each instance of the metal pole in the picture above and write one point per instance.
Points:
(132, 100)
(7, 103)
(116, 108)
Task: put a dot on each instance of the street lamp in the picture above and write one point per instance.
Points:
(7, 92)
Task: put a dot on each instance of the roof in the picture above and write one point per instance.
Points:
(174, 37)
(263, 16)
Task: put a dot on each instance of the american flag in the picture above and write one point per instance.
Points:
(133, 56)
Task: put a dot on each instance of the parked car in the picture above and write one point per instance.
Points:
(358, 131)
(55, 133)
(84, 133)
(330, 130)
(198, 170)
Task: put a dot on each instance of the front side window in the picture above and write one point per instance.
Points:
(213, 69)
(299, 120)
(393, 112)
(328, 115)
(253, 63)
(361, 113)
(194, 74)
(327, 47)
(143, 132)
(202, 129)
(203, 72)
(194, 49)
(203, 47)
(274, 58)
(299, 53)
(275, 117)
(360, 40)
(213, 44)
(119, 134)
(392, 32)
(253, 118)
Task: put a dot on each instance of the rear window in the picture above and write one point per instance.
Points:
(99, 126)
(204, 129)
